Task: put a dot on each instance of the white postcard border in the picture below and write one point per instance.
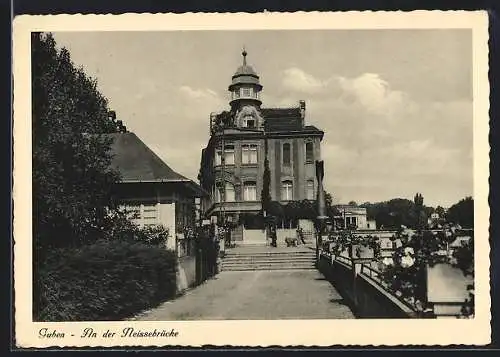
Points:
(252, 333)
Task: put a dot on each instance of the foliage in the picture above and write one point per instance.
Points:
(71, 175)
(330, 210)
(107, 280)
(396, 212)
(90, 262)
(462, 213)
(346, 240)
(119, 226)
(406, 275)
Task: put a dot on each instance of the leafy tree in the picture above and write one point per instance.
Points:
(462, 213)
(330, 209)
(420, 215)
(396, 212)
(352, 203)
(440, 211)
(71, 175)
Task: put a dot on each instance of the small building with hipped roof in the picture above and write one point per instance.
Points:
(151, 190)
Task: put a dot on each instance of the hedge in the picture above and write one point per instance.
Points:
(108, 280)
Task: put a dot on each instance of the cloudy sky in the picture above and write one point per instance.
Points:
(395, 105)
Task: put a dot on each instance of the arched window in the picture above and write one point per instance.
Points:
(286, 191)
(219, 193)
(250, 191)
(286, 154)
(310, 190)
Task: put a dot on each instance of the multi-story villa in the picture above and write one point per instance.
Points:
(232, 164)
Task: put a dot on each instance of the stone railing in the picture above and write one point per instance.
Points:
(361, 281)
(362, 287)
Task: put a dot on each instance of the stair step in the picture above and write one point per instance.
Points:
(306, 254)
(270, 268)
(266, 264)
(246, 259)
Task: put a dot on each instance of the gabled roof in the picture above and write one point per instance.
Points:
(138, 163)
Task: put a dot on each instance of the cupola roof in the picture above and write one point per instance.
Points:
(245, 74)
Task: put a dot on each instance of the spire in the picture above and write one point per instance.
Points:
(244, 54)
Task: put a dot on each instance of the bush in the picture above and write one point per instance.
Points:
(107, 280)
(119, 227)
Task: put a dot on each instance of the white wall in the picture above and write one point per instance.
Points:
(254, 236)
(167, 219)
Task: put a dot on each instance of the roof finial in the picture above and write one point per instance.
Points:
(244, 53)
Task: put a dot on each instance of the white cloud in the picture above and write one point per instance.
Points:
(198, 94)
(373, 93)
(297, 80)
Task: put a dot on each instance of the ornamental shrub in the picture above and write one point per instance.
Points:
(107, 280)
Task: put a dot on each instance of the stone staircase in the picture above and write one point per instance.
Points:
(268, 258)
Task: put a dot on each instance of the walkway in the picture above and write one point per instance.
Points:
(256, 295)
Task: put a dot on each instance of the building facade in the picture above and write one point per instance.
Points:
(232, 164)
(151, 191)
(353, 217)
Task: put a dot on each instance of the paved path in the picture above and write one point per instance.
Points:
(255, 295)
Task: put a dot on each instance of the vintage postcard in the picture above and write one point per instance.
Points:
(272, 179)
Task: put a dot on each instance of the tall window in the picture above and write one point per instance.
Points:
(249, 154)
(287, 191)
(286, 154)
(219, 193)
(310, 189)
(309, 152)
(229, 192)
(250, 191)
(218, 157)
(229, 154)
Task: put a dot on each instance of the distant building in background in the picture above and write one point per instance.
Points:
(232, 164)
(351, 216)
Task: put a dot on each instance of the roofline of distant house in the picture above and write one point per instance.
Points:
(187, 181)
(155, 181)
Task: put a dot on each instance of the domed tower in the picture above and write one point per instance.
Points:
(245, 96)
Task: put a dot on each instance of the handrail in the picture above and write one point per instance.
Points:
(375, 276)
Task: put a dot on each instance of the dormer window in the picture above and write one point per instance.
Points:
(250, 123)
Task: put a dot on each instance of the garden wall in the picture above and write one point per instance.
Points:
(187, 273)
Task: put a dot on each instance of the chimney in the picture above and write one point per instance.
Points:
(302, 106)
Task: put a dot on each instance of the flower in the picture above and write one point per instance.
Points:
(407, 261)
(388, 261)
(409, 251)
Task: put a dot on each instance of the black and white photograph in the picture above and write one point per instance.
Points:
(186, 177)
